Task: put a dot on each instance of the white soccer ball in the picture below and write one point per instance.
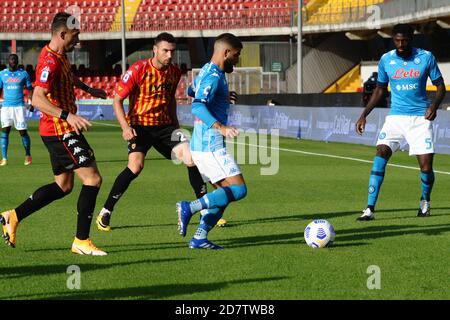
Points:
(319, 234)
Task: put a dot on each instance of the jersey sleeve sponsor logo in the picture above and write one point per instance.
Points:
(126, 77)
(44, 75)
(405, 74)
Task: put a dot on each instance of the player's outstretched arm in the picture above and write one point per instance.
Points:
(41, 102)
(432, 109)
(97, 93)
(128, 132)
(378, 93)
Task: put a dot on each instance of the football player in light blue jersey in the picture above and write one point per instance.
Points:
(406, 69)
(12, 82)
(210, 107)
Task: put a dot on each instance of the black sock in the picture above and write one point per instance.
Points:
(121, 184)
(39, 199)
(197, 183)
(85, 208)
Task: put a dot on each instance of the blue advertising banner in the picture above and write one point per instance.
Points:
(310, 123)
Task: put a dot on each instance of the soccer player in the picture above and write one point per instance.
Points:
(208, 149)
(406, 69)
(12, 82)
(61, 131)
(151, 121)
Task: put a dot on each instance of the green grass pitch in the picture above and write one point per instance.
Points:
(266, 256)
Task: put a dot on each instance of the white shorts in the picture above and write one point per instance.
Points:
(215, 166)
(16, 115)
(416, 130)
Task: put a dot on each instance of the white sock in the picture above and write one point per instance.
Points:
(104, 211)
(201, 234)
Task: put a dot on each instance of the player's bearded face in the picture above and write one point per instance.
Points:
(164, 52)
(231, 59)
(13, 62)
(402, 45)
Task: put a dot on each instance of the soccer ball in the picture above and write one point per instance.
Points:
(319, 234)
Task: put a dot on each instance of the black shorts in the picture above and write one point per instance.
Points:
(69, 152)
(163, 138)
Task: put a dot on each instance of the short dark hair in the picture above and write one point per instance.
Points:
(165, 36)
(230, 39)
(13, 55)
(404, 29)
(61, 20)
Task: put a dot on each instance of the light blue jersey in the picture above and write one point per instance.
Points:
(12, 83)
(408, 80)
(211, 104)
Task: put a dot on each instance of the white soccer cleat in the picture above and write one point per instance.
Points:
(424, 210)
(367, 215)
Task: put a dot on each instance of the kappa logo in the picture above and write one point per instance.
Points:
(392, 62)
(67, 136)
(82, 159)
(77, 150)
(71, 142)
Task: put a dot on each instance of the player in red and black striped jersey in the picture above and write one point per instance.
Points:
(61, 130)
(151, 121)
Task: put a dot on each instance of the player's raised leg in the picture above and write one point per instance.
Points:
(39, 199)
(215, 202)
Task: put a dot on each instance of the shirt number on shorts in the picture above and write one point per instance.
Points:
(429, 143)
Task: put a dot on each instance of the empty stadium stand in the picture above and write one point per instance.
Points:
(101, 15)
(211, 14)
(337, 11)
(36, 16)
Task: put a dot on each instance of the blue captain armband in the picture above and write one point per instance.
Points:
(201, 111)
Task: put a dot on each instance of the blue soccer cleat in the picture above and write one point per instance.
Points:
(203, 244)
(184, 216)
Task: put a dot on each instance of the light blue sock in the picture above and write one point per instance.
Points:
(376, 179)
(427, 179)
(26, 141)
(208, 221)
(5, 142)
(219, 198)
